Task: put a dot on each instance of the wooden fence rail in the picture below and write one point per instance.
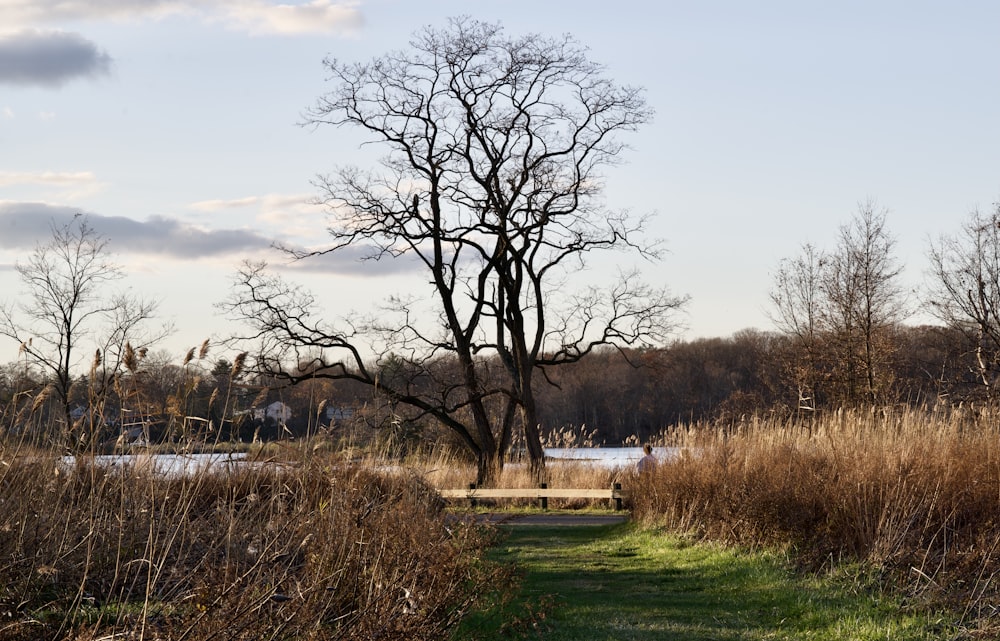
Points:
(542, 493)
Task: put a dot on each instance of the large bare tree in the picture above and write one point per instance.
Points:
(491, 184)
(65, 301)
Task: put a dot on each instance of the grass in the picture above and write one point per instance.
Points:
(626, 583)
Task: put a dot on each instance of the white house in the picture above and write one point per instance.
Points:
(276, 411)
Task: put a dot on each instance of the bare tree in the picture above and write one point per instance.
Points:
(864, 302)
(797, 299)
(841, 309)
(965, 288)
(64, 301)
(491, 185)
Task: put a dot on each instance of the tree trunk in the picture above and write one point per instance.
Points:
(532, 434)
(488, 467)
(507, 431)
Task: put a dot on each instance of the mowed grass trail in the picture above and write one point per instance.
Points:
(624, 583)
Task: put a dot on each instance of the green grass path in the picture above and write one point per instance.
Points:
(623, 583)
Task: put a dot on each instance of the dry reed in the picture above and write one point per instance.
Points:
(914, 495)
(311, 551)
(313, 546)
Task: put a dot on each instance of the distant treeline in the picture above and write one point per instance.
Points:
(614, 395)
(752, 372)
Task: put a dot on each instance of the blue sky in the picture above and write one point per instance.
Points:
(174, 125)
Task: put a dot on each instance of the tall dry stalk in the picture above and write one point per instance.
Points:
(914, 494)
(308, 548)
(309, 551)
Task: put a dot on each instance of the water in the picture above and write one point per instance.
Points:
(169, 464)
(607, 456)
(174, 465)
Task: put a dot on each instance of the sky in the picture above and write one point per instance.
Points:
(175, 125)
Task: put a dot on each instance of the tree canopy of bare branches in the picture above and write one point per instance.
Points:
(797, 299)
(865, 302)
(841, 308)
(965, 288)
(492, 184)
(65, 301)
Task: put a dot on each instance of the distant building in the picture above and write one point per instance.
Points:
(276, 411)
(338, 414)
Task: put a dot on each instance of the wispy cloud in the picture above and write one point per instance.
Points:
(64, 185)
(49, 58)
(54, 178)
(352, 261)
(318, 16)
(295, 215)
(255, 16)
(41, 12)
(225, 205)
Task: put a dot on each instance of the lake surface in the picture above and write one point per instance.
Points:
(189, 464)
(169, 464)
(607, 456)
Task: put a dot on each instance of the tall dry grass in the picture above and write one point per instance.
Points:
(307, 551)
(914, 495)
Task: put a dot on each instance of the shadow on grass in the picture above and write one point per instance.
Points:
(618, 582)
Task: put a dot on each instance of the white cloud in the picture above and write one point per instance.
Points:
(276, 207)
(8, 113)
(222, 205)
(294, 217)
(72, 185)
(271, 207)
(19, 13)
(51, 178)
(255, 16)
(318, 16)
(291, 215)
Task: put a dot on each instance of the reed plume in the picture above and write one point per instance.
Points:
(129, 360)
(95, 364)
(237, 367)
(42, 396)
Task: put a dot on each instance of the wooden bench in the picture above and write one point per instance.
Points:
(542, 493)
